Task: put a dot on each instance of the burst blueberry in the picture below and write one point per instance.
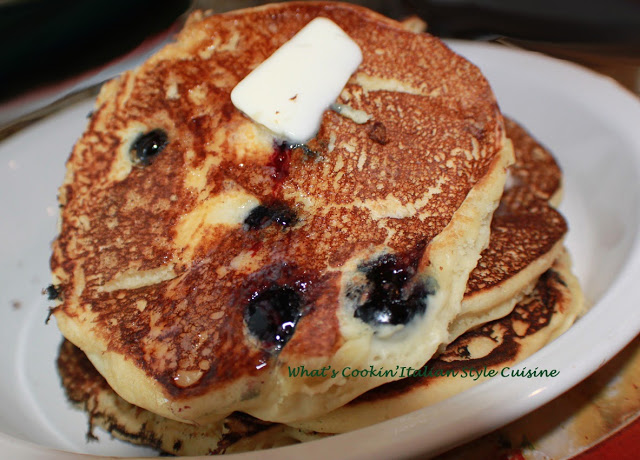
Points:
(390, 300)
(147, 146)
(264, 215)
(272, 315)
(52, 292)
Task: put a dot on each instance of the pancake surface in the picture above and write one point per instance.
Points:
(198, 259)
(535, 166)
(526, 235)
(541, 316)
(526, 240)
(538, 318)
(87, 389)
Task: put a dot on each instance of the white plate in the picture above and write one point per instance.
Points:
(589, 122)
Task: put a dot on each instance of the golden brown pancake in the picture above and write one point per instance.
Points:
(535, 166)
(241, 432)
(541, 316)
(525, 241)
(88, 390)
(198, 259)
(526, 236)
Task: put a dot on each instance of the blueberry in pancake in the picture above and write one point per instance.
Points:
(200, 255)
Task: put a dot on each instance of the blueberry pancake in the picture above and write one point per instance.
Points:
(199, 257)
(543, 314)
(538, 318)
(526, 236)
(88, 390)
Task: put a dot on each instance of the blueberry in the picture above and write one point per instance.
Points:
(52, 292)
(389, 300)
(264, 215)
(272, 315)
(148, 146)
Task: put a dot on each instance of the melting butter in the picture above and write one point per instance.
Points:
(291, 89)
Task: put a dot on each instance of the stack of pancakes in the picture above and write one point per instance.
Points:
(200, 259)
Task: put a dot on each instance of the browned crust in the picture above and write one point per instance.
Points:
(532, 314)
(535, 166)
(523, 229)
(525, 226)
(199, 314)
(86, 388)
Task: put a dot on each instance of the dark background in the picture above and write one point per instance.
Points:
(47, 41)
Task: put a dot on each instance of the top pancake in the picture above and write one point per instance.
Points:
(524, 238)
(163, 261)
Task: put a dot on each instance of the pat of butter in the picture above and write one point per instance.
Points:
(289, 91)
